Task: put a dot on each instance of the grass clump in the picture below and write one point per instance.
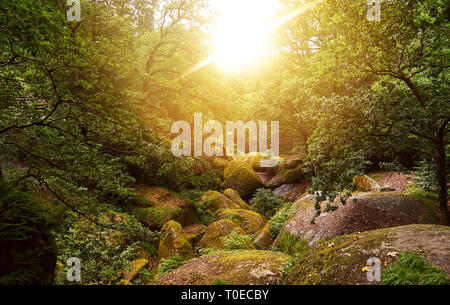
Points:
(412, 269)
(168, 264)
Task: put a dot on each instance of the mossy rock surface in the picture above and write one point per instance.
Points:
(241, 177)
(234, 196)
(370, 211)
(250, 221)
(287, 176)
(163, 206)
(340, 261)
(365, 184)
(292, 191)
(213, 201)
(215, 232)
(142, 261)
(241, 267)
(174, 242)
(255, 161)
(264, 238)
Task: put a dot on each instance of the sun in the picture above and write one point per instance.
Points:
(241, 36)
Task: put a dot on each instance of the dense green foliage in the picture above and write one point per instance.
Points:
(279, 220)
(412, 269)
(236, 240)
(265, 202)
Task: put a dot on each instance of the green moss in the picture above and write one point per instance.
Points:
(291, 244)
(220, 282)
(156, 217)
(214, 201)
(279, 220)
(234, 196)
(174, 242)
(412, 269)
(250, 221)
(337, 261)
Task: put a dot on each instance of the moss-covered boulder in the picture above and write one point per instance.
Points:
(136, 265)
(343, 260)
(255, 161)
(287, 176)
(292, 191)
(250, 221)
(216, 231)
(194, 233)
(174, 242)
(293, 162)
(363, 212)
(213, 201)
(234, 196)
(365, 184)
(162, 206)
(264, 238)
(240, 177)
(241, 267)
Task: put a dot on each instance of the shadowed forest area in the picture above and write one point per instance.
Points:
(91, 92)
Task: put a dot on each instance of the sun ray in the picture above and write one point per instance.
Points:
(239, 39)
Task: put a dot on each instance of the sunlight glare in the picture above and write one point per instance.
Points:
(242, 32)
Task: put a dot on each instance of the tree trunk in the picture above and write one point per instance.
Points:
(442, 177)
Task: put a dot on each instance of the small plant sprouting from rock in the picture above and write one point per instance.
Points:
(236, 240)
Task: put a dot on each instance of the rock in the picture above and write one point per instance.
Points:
(215, 232)
(234, 196)
(365, 184)
(194, 233)
(369, 212)
(220, 164)
(292, 191)
(241, 178)
(287, 176)
(214, 201)
(254, 160)
(385, 189)
(250, 221)
(135, 267)
(264, 239)
(282, 165)
(241, 267)
(163, 206)
(174, 242)
(294, 162)
(339, 261)
(265, 177)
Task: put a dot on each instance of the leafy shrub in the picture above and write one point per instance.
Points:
(182, 174)
(105, 245)
(265, 202)
(412, 269)
(168, 264)
(278, 221)
(426, 175)
(236, 240)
